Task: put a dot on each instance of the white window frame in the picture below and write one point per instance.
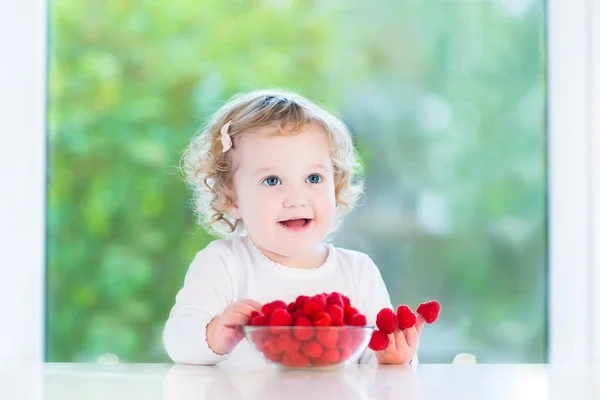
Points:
(574, 179)
(22, 179)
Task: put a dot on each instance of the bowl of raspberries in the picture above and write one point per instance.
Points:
(322, 331)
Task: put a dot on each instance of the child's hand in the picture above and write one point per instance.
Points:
(223, 332)
(403, 345)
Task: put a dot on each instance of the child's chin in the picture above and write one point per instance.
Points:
(299, 245)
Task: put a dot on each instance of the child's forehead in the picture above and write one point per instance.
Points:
(263, 151)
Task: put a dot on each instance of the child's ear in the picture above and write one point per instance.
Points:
(234, 211)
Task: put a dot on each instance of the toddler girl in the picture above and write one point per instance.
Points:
(275, 173)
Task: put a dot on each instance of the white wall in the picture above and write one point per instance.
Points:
(22, 103)
(574, 146)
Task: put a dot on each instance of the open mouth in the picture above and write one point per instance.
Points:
(296, 223)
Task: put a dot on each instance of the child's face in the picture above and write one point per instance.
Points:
(284, 188)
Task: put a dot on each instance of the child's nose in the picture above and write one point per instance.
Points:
(295, 197)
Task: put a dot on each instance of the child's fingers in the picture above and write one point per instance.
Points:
(412, 337)
(420, 323)
(252, 303)
(233, 319)
(243, 308)
(400, 339)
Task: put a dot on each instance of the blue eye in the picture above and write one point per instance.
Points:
(271, 181)
(314, 178)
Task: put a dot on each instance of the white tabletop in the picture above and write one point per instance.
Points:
(170, 382)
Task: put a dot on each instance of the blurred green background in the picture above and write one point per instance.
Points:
(446, 100)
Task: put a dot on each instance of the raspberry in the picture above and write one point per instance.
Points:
(280, 317)
(300, 300)
(387, 321)
(288, 343)
(345, 338)
(322, 319)
(330, 356)
(335, 299)
(327, 337)
(337, 315)
(379, 341)
(253, 314)
(305, 329)
(349, 311)
(312, 349)
(259, 320)
(406, 318)
(357, 319)
(272, 347)
(429, 310)
(297, 314)
(268, 308)
(346, 300)
(292, 307)
(314, 305)
(318, 362)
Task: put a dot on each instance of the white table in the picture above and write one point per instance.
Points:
(178, 382)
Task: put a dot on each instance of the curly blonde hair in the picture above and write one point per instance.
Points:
(209, 171)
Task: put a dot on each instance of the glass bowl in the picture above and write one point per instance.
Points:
(309, 347)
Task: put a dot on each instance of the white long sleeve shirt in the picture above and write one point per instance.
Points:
(229, 270)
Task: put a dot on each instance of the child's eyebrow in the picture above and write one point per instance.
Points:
(319, 166)
(265, 170)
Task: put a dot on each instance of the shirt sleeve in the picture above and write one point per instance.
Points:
(206, 291)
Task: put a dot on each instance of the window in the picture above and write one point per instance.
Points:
(447, 104)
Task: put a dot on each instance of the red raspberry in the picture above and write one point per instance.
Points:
(387, 321)
(318, 362)
(267, 309)
(346, 300)
(349, 311)
(253, 314)
(357, 319)
(429, 310)
(300, 300)
(312, 349)
(345, 338)
(297, 314)
(322, 319)
(292, 307)
(406, 318)
(305, 330)
(327, 337)
(259, 320)
(330, 356)
(272, 348)
(335, 299)
(314, 305)
(288, 343)
(337, 315)
(280, 317)
(379, 341)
